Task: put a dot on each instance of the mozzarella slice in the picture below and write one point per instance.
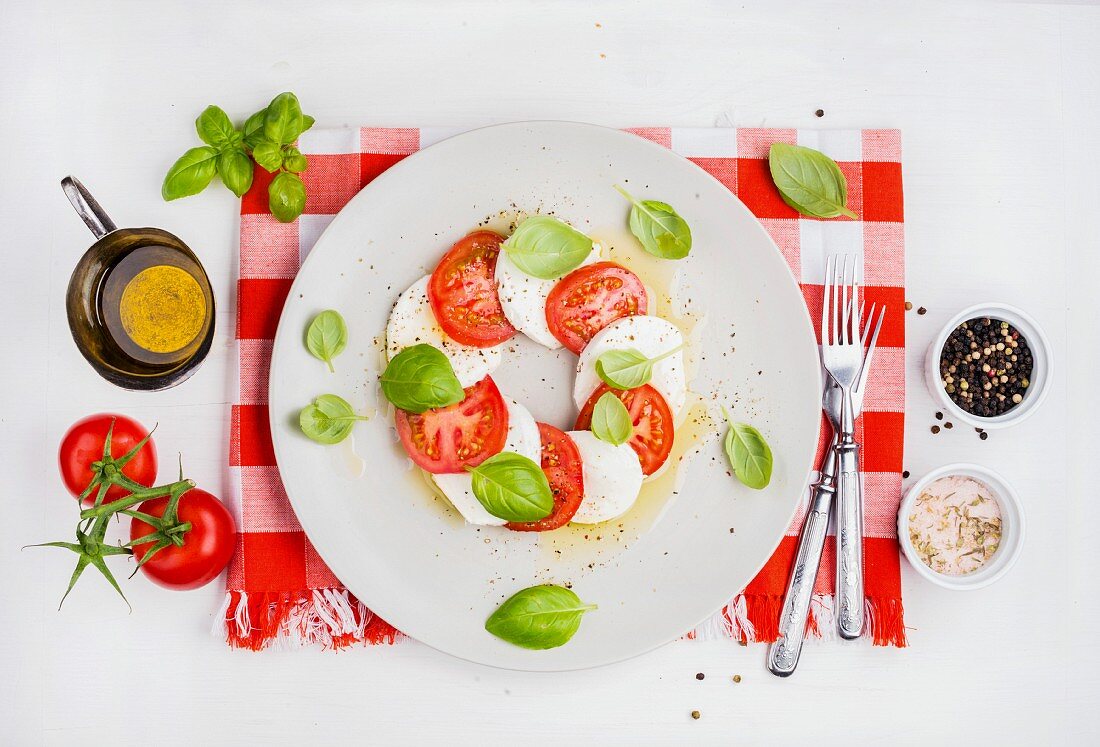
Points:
(612, 478)
(523, 298)
(649, 335)
(523, 438)
(412, 322)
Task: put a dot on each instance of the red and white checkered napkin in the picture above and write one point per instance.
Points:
(278, 586)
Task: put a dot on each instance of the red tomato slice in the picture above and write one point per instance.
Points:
(207, 545)
(653, 426)
(591, 297)
(561, 461)
(463, 292)
(448, 439)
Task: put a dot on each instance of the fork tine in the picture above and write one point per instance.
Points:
(846, 300)
(855, 294)
(826, 300)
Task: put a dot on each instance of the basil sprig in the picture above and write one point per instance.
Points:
(327, 336)
(749, 454)
(328, 419)
(628, 368)
(659, 228)
(539, 617)
(267, 137)
(512, 487)
(809, 181)
(546, 247)
(611, 420)
(421, 378)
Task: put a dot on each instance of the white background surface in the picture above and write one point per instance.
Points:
(999, 106)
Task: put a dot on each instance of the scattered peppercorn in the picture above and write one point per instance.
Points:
(908, 305)
(819, 113)
(905, 473)
(736, 678)
(935, 429)
(983, 435)
(695, 715)
(985, 366)
(922, 311)
(700, 676)
(948, 424)
(939, 416)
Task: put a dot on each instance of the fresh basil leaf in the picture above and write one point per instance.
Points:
(190, 174)
(307, 122)
(809, 181)
(254, 128)
(286, 196)
(611, 420)
(512, 487)
(294, 161)
(327, 336)
(547, 248)
(628, 368)
(538, 617)
(659, 228)
(283, 120)
(214, 127)
(749, 454)
(328, 420)
(268, 154)
(235, 169)
(420, 378)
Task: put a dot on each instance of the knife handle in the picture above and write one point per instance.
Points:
(849, 532)
(783, 653)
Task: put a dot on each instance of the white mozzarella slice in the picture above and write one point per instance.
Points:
(649, 335)
(612, 478)
(523, 438)
(412, 322)
(523, 298)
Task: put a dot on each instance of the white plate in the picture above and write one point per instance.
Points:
(402, 551)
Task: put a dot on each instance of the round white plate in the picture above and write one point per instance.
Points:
(672, 563)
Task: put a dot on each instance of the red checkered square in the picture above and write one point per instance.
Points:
(882, 181)
(882, 440)
(331, 180)
(274, 561)
(264, 505)
(371, 165)
(882, 242)
(250, 437)
(259, 304)
(886, 380)
(785, 234)
(881, 498)
(881, 145)
(757, 190)
(722, 169)
(255, 364)
(756, 142)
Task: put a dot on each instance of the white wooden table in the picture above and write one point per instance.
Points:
(1000, 108)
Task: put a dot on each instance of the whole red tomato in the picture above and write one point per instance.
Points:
(206, 547)
(83, 444)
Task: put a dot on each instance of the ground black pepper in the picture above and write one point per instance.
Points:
(700, 676)
(985, 366)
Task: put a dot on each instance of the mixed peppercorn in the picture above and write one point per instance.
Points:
(985, 366)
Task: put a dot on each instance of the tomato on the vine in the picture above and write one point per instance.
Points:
(82, 446)
(207, 545)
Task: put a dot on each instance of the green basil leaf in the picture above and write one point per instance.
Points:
(268, 154)
(191, 174)
(547, 248)
(749, 454)
(283, 120)
(307, 122)
(235, 169)
(420, 378)
(286, 196)
(809, 181)
(294, 161)
(538, 617)
(659, 228)
(214, 127)
(624, 369)
(611, 421)
(328, 420)
(254, 128)
(512, 487)
(327, 336)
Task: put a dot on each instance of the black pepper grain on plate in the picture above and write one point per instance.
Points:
(985, 366)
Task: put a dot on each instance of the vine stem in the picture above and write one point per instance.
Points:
(138, 496)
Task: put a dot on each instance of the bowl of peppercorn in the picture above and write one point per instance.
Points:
(990, 366)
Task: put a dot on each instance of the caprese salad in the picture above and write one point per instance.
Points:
(483, 450)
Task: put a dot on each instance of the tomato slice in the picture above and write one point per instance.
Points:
(463, 292)
(654, 429)
(448, 439)
(590, 298)
(561, 461)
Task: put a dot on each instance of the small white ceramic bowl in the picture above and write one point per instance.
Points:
(1012, 528)
(1041, 374)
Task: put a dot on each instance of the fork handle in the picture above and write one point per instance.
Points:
(784, 652)
(849, 521)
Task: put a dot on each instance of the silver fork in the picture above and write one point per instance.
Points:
(842, 356)
(783, 654)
